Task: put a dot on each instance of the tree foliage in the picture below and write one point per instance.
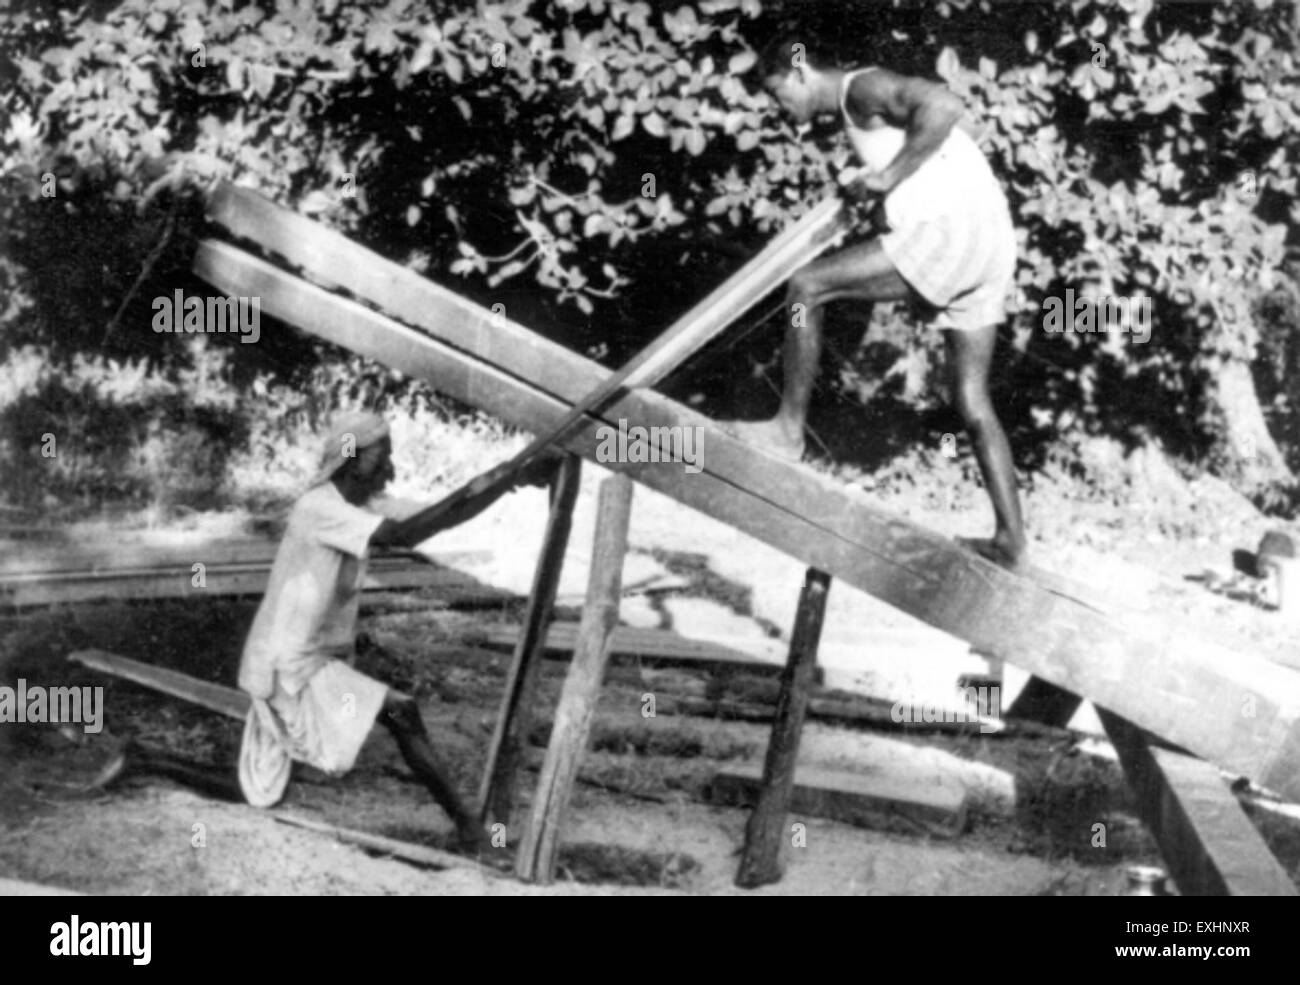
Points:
(1150, 150)
(595, 165)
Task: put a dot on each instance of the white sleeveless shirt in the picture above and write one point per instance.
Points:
(956, 175)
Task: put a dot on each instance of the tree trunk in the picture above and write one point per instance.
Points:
(1247, 454)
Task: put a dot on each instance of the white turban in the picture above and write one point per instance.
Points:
(348, 434)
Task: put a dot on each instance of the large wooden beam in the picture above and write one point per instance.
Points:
(1210, 846)
(1184, 689)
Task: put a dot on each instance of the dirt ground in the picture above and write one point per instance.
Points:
(641, 819)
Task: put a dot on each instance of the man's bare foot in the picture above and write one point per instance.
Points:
(998, 549)
(772, 436)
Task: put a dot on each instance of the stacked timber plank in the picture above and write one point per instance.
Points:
(1184, 689)
(658, 645)
(44, 574)
(895, 799)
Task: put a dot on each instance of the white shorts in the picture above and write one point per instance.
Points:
(324, 725)
(962, 262)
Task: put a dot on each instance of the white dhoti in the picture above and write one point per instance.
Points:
(324, 725)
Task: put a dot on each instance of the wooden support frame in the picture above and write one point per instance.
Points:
(1208, 843)
(1044, 703)
(496, 794)
(1185, 689)
(539, 848)
(760, 862)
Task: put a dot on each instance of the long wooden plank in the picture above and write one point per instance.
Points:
(1187, 690)
(215, 697)
(1210, 846)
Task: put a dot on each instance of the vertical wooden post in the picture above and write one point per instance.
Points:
(535, 861)
(765, 833)
(510, 737)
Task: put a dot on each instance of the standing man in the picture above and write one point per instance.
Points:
(949, 244)
(309, 704)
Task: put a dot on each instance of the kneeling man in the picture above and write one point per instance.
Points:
(309, 703)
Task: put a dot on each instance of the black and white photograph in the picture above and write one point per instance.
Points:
(628, 448)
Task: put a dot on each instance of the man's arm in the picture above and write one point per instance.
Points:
(421, 526)
(926, 110)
